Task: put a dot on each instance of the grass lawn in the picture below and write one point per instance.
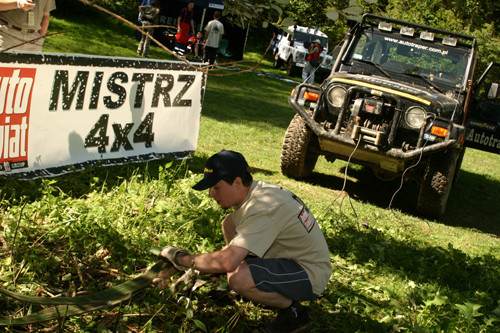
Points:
(394, 271)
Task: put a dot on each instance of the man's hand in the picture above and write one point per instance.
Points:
(171, 253)
(26, 5)
(164, 277)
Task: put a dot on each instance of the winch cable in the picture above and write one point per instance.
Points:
(427, 119)
(402, 183)
(342, 191)
(71, 306)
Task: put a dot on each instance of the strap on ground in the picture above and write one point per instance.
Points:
(70, 306)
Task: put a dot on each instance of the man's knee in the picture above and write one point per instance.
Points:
(241, 279)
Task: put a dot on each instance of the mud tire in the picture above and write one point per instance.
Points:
(299, 152)
(436, 183)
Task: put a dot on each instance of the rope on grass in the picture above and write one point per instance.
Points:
(32, 40)
(62, 307)
(401, 186)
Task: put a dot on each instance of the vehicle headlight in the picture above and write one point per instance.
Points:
(415, 116)
(301, 56)
(336, 96)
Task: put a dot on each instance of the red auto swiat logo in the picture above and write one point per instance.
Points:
(16, 87)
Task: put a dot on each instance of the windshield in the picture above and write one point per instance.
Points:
(432, 62)
(308, 38)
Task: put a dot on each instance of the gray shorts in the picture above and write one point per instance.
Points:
(284, 276)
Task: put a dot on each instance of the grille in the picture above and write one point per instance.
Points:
(374, 118)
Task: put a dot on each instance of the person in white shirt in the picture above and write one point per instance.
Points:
(213, 35)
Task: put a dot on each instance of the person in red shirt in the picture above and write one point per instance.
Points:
(312, 58)
(185, 22)
(196, 44)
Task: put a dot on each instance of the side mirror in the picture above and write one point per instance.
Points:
(493, 91)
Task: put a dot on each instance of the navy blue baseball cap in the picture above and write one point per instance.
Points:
(226, 164)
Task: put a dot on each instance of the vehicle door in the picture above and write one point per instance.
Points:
(483, 119)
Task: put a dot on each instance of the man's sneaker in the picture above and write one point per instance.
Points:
(293, 319)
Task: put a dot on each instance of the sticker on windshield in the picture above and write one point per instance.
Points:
(417, 46)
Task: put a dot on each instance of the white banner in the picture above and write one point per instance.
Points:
(61, 112)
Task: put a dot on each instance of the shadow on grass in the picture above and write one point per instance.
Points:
(80, 183)
(418, 261)
(448, 270)
(472, 203)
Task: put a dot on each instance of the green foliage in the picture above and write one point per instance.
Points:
(283, 13)
(254, 12)
(489, 46)
(315, 13)
(73, 244)
(408, 284)
(124, 8)
(393, 271)
(77, 8)
(472, 17)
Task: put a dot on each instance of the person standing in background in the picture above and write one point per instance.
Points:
(312, 62)
(185, 22)
(24, 26)
(148, 15)
(143, 3)
(213, 35)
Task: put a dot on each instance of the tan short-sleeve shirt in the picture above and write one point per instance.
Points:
(20, 18)
(274, 223)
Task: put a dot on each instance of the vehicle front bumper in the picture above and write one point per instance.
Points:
(342, 144)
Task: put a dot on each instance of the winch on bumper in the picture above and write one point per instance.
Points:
(391, 129)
